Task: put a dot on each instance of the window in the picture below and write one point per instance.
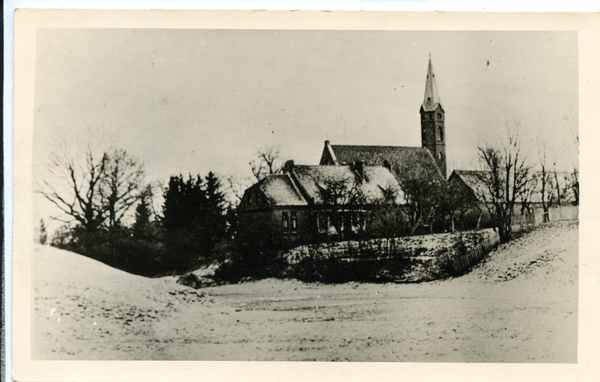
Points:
(321, 222)
(284, 221)
(440, 133)
(294, 222)
(441, 155)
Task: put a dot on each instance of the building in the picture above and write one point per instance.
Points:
(535, 202)
(303, 203)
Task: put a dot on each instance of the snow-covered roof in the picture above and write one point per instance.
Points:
(375, 179)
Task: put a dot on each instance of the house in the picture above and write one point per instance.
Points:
(558, 190)
(303, 203)
(306, 203)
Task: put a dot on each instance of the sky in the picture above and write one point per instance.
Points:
(192, 101)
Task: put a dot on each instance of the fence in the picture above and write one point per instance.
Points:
(461, 262)
(555, 213)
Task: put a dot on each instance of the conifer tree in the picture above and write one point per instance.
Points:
(141, 226)
(216, 221)
(43, 235)
(193, 217)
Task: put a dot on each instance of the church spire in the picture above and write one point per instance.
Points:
(432, 98)
(433, 136)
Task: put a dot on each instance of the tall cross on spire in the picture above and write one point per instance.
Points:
(432, 97)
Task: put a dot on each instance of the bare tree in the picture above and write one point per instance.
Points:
(75, 187)
(422, 185)
(545, 181)
(266, 163)
(574, 184)
(95, 190)
(237, 186)
(120, 188)
(505, 179)
(387, 218)
(341, 198)
(455, 203)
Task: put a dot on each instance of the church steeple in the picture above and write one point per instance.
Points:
(432, 97)
(433, 135)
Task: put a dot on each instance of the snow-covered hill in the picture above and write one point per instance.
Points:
(520, 305)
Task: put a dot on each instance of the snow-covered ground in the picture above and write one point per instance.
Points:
(519, 305)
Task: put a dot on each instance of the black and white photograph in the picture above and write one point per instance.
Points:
(305, 195)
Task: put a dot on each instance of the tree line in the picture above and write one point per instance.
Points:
(97, 194)
(108, 210)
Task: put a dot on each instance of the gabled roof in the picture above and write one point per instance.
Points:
(375, 180)
(475, 180)
(303, 185)
(279, 190)
(380, 155)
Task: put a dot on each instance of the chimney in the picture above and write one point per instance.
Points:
(288, 166)
(359, 167)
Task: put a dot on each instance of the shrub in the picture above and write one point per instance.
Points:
(190, 280)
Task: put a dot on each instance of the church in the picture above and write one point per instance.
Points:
(296, 205)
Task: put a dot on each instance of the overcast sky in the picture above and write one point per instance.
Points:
(192, 101)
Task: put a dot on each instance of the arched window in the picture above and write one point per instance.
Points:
(440, 133)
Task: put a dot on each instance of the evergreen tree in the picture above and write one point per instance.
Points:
(173, 206)
(141, 227)
(193, 217)
(43, 235)
(195, 207)
(215, 218)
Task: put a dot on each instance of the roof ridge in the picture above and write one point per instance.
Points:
(295, 187)
(404, 147)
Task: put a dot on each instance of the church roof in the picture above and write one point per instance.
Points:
(397, 157)
(432, 98)
(376, 155)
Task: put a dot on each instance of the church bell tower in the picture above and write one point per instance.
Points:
(433, 134)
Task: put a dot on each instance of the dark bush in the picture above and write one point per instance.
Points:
(190, 280)
(260, 266)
